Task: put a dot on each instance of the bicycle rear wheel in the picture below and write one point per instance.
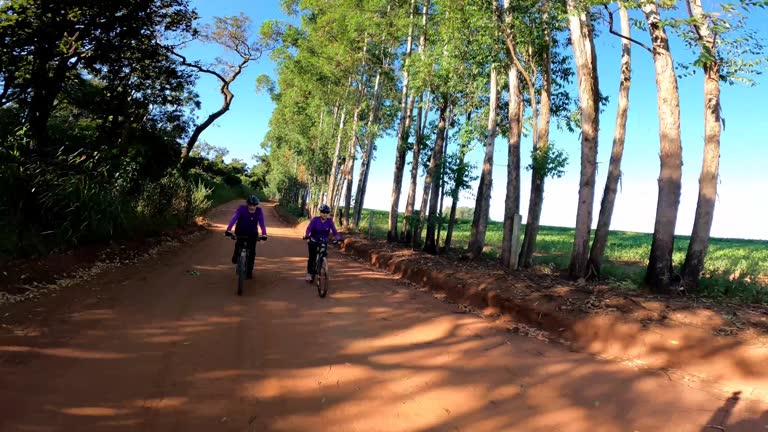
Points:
(322, 278)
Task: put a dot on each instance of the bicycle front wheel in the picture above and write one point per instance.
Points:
(241, 265)
(322, 278)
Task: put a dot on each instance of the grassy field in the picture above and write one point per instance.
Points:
(735, 268)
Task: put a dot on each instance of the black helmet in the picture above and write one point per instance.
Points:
(252, 200)
(324, 208)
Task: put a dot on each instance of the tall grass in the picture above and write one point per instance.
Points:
(78, 209)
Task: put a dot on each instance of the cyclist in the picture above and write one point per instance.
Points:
(249, 218)
(318, 230)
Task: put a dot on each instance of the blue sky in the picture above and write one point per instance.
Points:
(741, 207)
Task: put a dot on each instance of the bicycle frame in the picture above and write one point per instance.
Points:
(322, 252)
(321, 266)
(242, 261)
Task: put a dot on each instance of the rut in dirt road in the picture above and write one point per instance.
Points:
(168, 346)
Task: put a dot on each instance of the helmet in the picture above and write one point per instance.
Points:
(324, 208)
(252, 200)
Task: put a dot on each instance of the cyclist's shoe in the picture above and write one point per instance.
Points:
(308, 278)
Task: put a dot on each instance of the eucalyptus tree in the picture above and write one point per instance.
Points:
(460, 56)
(407, 101)
(515, 112)
(659, 274)
(386, 39)
(459, 170)
(728, 51)
(421, 121)
(583, 43)
(597, 252)
(533, 32)
(488, 40)
(329, 68)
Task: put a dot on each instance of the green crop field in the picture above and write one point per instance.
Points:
(734, 267)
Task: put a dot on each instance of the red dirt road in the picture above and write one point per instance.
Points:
(161, 349)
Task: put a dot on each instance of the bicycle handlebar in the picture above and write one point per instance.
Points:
(318, 240)
(234, 237)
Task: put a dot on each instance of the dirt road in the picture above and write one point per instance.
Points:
(158, 347)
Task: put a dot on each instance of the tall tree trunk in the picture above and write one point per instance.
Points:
(423, 115)
(332, 180)
(348, 199)
(320, 127)
(659, 274)
(705, 205)
(582, 40)
(427, 189)
(443, 168)
(339, 185)
(512, 200)
(597, 252)
(362, 183)
(421, 118)
(370, 139)
(430, 243)
(341, 108)
(349, 180)
(425, 196)
(336, 111)
(512, 52)
(402, 135)
(364, 174)
(411, 201)
(457, 186)
(483, 200)
(341, 191)
(451, 221)
(350, 166)
(303, 199)
(442, 201)
(540, 145)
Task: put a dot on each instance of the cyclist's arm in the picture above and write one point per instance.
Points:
(309, 227)
(233, 221)
(261, 222)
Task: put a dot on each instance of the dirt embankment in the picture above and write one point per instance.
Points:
(715, 342)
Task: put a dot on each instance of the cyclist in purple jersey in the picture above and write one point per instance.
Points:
(319, 228)
(249, 218)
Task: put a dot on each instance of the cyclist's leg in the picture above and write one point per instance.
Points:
(312, 258)
(251, 245)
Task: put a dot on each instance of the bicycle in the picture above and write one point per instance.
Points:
(242, 261)
(320, 278)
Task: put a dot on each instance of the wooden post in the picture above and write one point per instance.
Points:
(515, 241)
